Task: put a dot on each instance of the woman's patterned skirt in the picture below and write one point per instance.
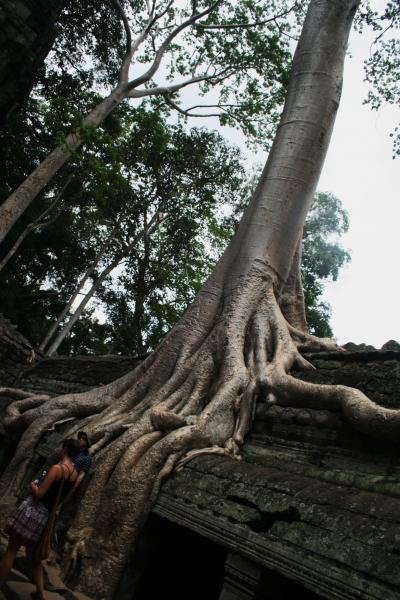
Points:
(27, 522)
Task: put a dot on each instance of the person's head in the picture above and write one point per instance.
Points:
(83, 439)
(70, 448)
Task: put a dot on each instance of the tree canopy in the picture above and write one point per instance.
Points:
(133, 168)
(382, 67)
(239, 49)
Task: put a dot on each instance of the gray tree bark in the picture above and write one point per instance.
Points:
(81, 307)
(196, 393)
(82, 281)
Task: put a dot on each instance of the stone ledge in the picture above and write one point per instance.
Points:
(334, 540)
(328, 580)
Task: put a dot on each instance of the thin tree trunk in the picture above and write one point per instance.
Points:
(78, 312)
(36, 224)
(20, 199)
(17, 244)
(70, 302)
(140, 295)
(138, 313)
(74, 295)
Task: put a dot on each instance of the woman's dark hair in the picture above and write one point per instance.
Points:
(71, 447)
(82, 435)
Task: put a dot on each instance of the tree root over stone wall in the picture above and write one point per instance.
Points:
(195, 394)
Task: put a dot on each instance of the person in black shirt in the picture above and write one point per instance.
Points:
(82, 462)
(28, 521)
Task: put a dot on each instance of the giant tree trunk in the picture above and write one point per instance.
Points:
(196, 393)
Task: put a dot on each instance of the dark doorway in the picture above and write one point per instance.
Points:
(180, 564)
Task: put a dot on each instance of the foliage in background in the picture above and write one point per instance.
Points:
(131, 169)
(323, 257)
(382, 67)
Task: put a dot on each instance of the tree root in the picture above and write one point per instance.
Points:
(17, 393)
(306, 342)
(201, 452)
(74, 549)
(195, 396)
(16, 415)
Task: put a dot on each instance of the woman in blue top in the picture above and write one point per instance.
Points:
(26, 524)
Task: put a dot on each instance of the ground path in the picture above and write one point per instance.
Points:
(19, 586)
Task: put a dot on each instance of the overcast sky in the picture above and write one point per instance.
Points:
(359, 170)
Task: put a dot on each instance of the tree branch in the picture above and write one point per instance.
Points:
(132, 46)
(164, 12)
(246, 25)
(126, 25)
(164, 46)
(384, 31)
(36, 224)
(165, 90)
(186, 112)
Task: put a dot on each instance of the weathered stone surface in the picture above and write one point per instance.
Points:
(391, 345)
(61, 375)
(20, 586)
(352, 347)
(333, 539)
(376, 373)
(315, 501)
(27, 34)
(16, 354)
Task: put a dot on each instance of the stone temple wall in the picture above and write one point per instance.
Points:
(16, 354)
(313, 502)
(63, 374)
(27, 31)
(313, 506)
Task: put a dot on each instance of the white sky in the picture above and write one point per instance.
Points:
(360, 171)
